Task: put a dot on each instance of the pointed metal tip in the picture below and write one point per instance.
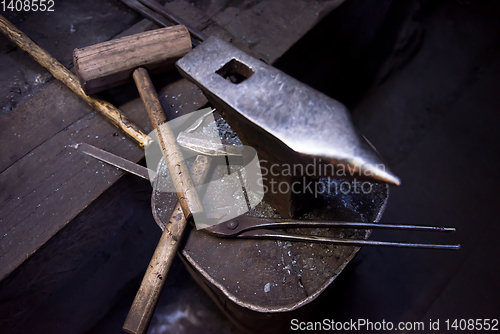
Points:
(379, 172)
(378, 167)
(393, 179)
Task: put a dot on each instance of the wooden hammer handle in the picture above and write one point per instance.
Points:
(188, 197)
(146, 299)
(61, 73)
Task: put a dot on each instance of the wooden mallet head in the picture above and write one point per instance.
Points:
(110, 64)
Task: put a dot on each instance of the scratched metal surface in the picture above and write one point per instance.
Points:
(281, 111)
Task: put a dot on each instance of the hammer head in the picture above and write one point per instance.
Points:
(110, 64)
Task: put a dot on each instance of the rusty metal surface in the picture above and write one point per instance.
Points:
(293, 272)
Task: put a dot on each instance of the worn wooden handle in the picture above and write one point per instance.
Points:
(188, 197)
(111, 63)
(143, 307)
(61, 73)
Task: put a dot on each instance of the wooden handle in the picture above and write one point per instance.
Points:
(145, 301)
(188, 197)
(143, 307)
(61, 73)
(111, 63)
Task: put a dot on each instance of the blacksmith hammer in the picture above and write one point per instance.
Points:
(298, 132)
(108, 64)
(114, 62)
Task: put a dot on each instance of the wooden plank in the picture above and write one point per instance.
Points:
(209, 27)
(44, 184)
(27, 134)
(36, 120)
(90, 234)
(51, 184)
(141, 26)
(71, 25)
(59, 111)
(109, 64)
(81, 180)
(54, 182)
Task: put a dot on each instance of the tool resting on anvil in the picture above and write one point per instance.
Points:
(287, 122)
(263, 228)
(251, 227)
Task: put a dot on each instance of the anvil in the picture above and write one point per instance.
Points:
(299, 134)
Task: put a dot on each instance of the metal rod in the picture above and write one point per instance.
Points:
(282, 223)
(247, 223)
(155, 6)
(268, 234)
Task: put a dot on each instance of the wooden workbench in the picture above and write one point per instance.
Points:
(45, 183)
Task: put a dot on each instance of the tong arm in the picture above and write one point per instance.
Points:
(236, 226)
(276, 235)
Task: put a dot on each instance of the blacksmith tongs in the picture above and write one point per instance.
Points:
(246, 226)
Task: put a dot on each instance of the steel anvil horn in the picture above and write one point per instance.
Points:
(287, 122)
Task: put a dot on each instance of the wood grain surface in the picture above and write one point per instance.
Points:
(43, 186)
(109, 64)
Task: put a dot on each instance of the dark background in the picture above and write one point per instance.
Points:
(432, 112)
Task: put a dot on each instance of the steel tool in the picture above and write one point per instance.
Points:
(259, 228)
(115, 160)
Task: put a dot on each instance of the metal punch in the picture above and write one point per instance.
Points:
(158, 14)
(246, 226)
